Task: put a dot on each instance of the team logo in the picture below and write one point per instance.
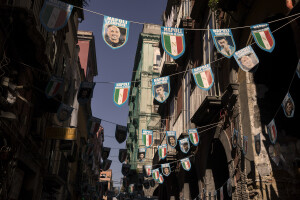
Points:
(194, 137)
(173, 41)
(54, 86)
(148, 169)
(162, 151)
(55, 14)
(224, 41)
(131, 188)
(160, 179)
(272, 131)
(85, 92)
(122, 155)
(155, 174)
(246, 59)
(125, 169)
(93, 125)
(288, 106)
(263, 37)
(64, 112)
(257, 143)
(171, 138)
(165, 168)
(245, 144)
(141, 154)
(161, 88)
(186, 164)
(184, 145)
(115, 32)
(203, 77)
(106, 164)
(234, 138)
(147, 136)
(121, 92)
(105, 152)
(229, 187)
(121, 133)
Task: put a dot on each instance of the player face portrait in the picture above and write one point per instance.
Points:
(159, 91)
(113, 33)
(172, 140)
(247, 62)
(223, 43)
(166, 170)
(289, 107)
(141, 156)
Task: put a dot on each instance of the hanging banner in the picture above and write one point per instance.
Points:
(186, 164)
(141, 154)
(146, 184)
(105, 153)
(155, 174)
(221, 193)
(106, 164)
(288, 106)
(122, 155)
(171, 138)
(234, 138)
(147, 136)
(121, 133)
(165, 168)
(229, 187)
(194, 137)
(161, 88)
(257, 143)
(85, 92)
(125, 169)
(54, 86)
(93, 125)
(298, 69)
(184, 145)
(131, 188)
(148, 169)
(263, 37)
(162, 151)
(55, 14)
(246, 58)
(121, 91)
(224, 41)
(64, 112)
(115, 31)
(245, 144)
(203, 77)
(160, 179)
(173, 42)
(272, 131)
(274, 155)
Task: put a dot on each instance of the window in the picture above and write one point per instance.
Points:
(186, 9)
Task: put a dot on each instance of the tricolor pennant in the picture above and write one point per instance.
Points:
(148, 169)
(54, 86)
(155, 174)
(272, 131)
(147, 136)
(93, 125)
(194, 137)
(203, 77)
(162, 151)
(173, 41)
(263, 37)
(186, 164)
(121, 92)
(160, 179)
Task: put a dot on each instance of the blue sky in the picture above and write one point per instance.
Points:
(115, 65)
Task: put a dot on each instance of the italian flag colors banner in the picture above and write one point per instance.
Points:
(121, 92)
(186, 164)
(203, 77)
(263, 37)
(53, 86)
(173, 41)
(194, 137)
(155, 174)
(147, 136)
(162, 151)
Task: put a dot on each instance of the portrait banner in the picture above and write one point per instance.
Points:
(173, 42)
(194, 137)
(203, 77)
(105, 153)
(288, 106)
(122, 155)
(53, 86)
(141, 154)
(121, 91)
(131, 188)
(106, 164)
(298, 69)
(246, 59)
(229, 187)
(160, 179)
(234, 138)
(155, 174)
(64, 112)
(85, 92)
(221, 193)
(245, 144)
(115, 31)
(272, 131)
(263, 36)
(93, 125)
(184, 145)
(162, 151)
(165, 168)
(55, 14)
(171, 138)
(125, 169)
(121, 133)
(147, 136)
(148, 169)
(257, 143)
(224, 41)
(186, 164)
(161, 88)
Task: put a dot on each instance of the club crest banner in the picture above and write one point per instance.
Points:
(121, 133)
(115, 31)
(224, 41)
(106, 164)
(141, 154)
(229, 187)
(105, 152)
(257, 143)
(122, 155)
(173, 42)
(274, 154)
(234, 138)
(125, 169)
(263, 37)
(161, 88)
(298, 69)
(131, 188)
(121, 92)
(155, 174)
(147, 136)
(246, 59)
(55, 14)
(203, 77)
(148, 169)
(245, 144)
(64, 112)
(160, 179)
(186, 164)
(162, 151)
(54, 86)
(288, 106)
(171, 138)
(165, 168)
(85, 92)
(184, 145)
(272, 131)
(194, 137)
(93, 125)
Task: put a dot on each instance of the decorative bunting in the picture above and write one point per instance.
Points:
(147, 136)
(162, 151)
(106, 164)
(54, 86)
(105, 152)
(288, 106)
(229, 187)
(173, 42)
(141, 154)
(246, 58)
(160, 179)
(221, 193)
(125, 169)
(245, 144)
(165, 168)
(257, 143)
(161, 88)
(184, 145)
(148, 169)
(64, 112)
(298, 69)
(224, 41)
(203, 77)
(85, 92)
(234, 138)
(155, 174)
(121, 91)
(55, 14)
(121, 133)
(171, 138)
(194, 137)
(186, 164)
(131, 188)
(274, 154)
(115, 31)
(272, 131)
(93, 125)
(122, 155)
(263, 37)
